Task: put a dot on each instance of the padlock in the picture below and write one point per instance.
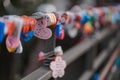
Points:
(58, 17)
(65, 19)
(58, 50)
(96, 76)
(71, 17)
(88, 28)
(9, 26)
(101, 16)
(58, 29)
(2, 27)
(90, 16)
(26, 24)
(28, 27)
(29, 23)
(84, 17)
(51, 19)
(58, 67)
(10, 50)
(117, 62)
(41, 31)
(77, 21)
(62, 35)
(19, 49)
(50, 55)
(12, 41)
(26, 36)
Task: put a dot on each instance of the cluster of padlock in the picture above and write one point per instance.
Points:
(24, 27)
(15, 27)
(55, 61)
(85, 20)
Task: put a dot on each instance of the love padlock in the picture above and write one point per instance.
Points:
(29, 23)
(96, 76)
(58, 17)
(10, 50)
(84, 17)
(88, 28)
(12, 41)
(50, 55)
(41, 31)
(97, 24)
(71, 17)
(64, 19)
(50, 18)
(58, 29)
(102, 19)
(117, 62)
(2, 27)
(19, 50)
(90, 16)
(62, 35)
(77, 22)
(27, 30)
(58, 67)
(26, 36)
(9, 26)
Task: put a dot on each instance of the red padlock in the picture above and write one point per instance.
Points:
(62, 35)
(77, 22)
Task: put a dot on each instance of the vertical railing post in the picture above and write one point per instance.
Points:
(90, 56)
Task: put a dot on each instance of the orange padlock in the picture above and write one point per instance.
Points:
(33, 22)
(88, 28)
(26, 24)
(10, 25)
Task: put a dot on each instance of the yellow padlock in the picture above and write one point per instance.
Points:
(88, 28)
(11, 49)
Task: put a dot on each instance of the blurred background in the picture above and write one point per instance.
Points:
(29, 6)
(15, 67)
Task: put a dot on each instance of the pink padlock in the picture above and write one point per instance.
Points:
(62, 35)
(58, 67)
(41, 31)
(41, 56)
(12, 42)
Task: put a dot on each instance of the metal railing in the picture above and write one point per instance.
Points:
(87, 48)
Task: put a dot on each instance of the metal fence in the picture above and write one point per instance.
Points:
(83, 59)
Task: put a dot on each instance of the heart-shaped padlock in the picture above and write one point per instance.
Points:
(41, 31)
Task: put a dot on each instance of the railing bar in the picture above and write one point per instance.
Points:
(100, 59)
(71, 55)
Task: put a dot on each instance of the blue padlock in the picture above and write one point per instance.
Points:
(26, 36)
(96, 14)
(58, 29)
(2, 27)
(117, 62)
(113, 19)
(117, 15)
(84, 17)
(96, 76)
